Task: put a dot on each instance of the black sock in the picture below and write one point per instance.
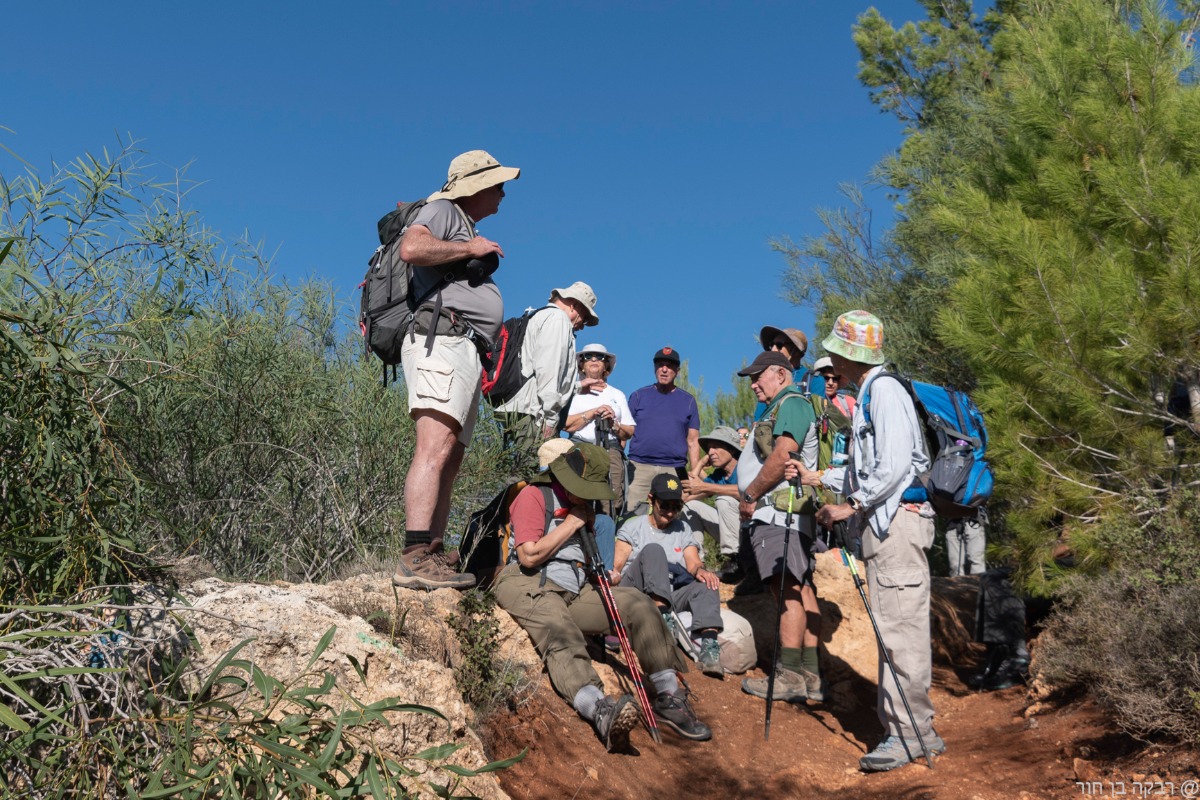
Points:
(418, 537)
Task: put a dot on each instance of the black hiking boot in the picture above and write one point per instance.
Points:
(674, 711)
(615, 717)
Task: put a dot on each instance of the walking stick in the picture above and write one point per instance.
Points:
(849, 561)
(587, 537)
(787, 535)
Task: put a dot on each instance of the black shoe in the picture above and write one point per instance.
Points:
(674, 711)
(615, 718)
(1012, 672)
(749, 585)
(731, 573)
(995, 655)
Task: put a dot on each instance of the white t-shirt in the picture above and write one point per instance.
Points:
(608, 396)
(674, 539)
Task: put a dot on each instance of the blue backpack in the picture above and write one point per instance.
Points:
(960, 479)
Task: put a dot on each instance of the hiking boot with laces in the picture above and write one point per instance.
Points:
(710, 658)
(615, 718)
(895, 751)
(814, 684)
(669, 621)
(674, 711)
(420, 569)
(790, 687)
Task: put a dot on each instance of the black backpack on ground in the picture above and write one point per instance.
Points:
(502, 377)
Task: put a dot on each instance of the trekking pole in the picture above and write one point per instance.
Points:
(849, 561)
(787, 535)
(587, 537)
(683, 634)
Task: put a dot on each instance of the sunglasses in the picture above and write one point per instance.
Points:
(669, 505)
(780, 344)
(593, 357)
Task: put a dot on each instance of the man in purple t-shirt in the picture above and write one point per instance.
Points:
(666, 439)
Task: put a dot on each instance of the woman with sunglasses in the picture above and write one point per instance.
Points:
(599, 414)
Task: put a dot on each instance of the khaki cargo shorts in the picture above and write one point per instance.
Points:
(448, 380)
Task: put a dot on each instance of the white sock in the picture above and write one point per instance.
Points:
(665, 681)
(585, 701)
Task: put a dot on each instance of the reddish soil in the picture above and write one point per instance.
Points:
(995, 749)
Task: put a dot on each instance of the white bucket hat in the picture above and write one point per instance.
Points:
(598, 348)
(824, 362)
(583, 293)
(473, 172)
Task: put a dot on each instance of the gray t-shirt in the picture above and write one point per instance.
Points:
(480, 305)
(674, 539)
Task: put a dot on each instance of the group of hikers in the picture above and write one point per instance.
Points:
(769, 495)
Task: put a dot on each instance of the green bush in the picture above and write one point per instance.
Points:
(1127, 633)
(163, 396)
(486, 682)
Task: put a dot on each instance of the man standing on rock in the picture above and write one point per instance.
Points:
(887, 455)
(442, 371)
(548, 369)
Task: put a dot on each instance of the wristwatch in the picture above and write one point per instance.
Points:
(856, 504)
(748, 498)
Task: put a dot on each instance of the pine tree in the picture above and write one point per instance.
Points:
(1076, 240)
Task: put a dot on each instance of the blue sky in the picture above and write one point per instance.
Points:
(661, 144)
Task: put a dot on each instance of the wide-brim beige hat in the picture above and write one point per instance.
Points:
(473, 172)
(552, 449)
(583, 293)
(597, 348)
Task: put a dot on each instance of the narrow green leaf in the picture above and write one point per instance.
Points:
(10, 718)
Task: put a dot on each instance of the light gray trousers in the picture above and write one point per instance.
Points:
(898, 581)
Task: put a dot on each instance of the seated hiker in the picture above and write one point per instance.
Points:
(606, 526)
(720, 520)
(546, 590)
(656, 554)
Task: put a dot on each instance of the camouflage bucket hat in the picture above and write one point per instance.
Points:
(857, 336)
(583, 472)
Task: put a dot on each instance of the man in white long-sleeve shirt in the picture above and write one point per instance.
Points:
(887, 454)
(548, 370)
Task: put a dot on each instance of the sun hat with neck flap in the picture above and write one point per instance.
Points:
(582, 471)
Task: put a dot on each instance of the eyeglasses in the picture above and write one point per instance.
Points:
(593, 357)
(669, 505)
(829, 376)
(779, 344)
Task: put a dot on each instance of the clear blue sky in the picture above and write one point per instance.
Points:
(661, 144)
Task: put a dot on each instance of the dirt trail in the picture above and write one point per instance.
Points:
(994, 751)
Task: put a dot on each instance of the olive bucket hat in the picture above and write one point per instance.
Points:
(583, 471)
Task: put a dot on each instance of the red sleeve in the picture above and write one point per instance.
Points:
(528, 516)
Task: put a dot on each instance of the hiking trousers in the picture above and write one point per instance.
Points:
(722, 521)
(557, 621)
(898, 582)
(650, 574)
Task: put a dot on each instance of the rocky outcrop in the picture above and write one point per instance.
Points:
(406, 652)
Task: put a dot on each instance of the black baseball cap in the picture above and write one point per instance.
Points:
(666, 487)
(767, 358)
(667, 354)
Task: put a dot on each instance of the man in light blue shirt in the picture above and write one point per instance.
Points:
(887, 453)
